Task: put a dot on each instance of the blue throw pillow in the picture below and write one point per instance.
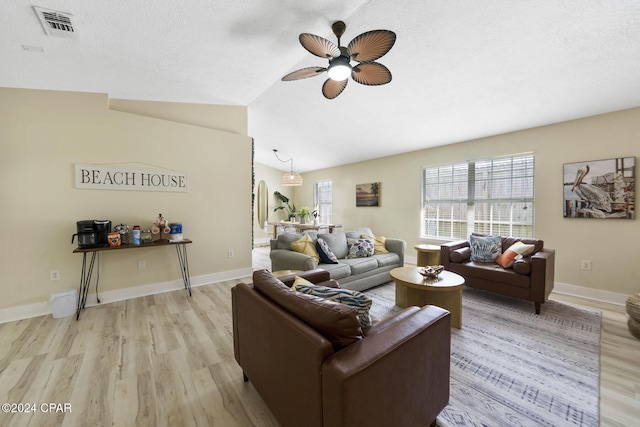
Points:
(326, 254)
(485, 248)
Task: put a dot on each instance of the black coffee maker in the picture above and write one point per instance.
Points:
(92, 233)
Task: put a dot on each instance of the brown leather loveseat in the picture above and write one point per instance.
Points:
(314, 366)
(530, 278)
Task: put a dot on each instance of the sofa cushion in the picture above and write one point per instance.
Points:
(285, 240)
(490, 271)
(387, 260)
(516, 251)
(355, 234)
(337, 322)
(326, 254)
(306, 246)
(337, 241)
(360, 248)
(361, 265)
(358, 300)
(460, 255)
(379, 243)
(485, 248)
(337, 271)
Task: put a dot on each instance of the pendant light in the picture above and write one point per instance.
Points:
(291, 178)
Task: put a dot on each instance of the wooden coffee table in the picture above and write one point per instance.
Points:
(445, 291)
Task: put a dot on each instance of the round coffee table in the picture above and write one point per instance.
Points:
(444, 291)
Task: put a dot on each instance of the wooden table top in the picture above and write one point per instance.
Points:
(446, 280)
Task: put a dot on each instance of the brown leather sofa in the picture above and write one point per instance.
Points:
(531, 278)
(314, 366)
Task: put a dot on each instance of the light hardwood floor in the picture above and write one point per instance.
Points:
(167, 360)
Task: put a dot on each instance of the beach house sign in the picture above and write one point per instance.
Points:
(103, 177)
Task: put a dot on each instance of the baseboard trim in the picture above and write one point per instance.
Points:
(27, 311)
(590, 294)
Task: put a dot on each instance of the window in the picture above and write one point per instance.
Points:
(322, 196)
(484, 196)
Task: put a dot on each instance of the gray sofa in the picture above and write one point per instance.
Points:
(352, 273)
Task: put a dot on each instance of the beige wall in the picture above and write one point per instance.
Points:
(611, 245)
(42, 135)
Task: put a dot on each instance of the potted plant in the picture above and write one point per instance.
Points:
(290, 209)
(303, 213)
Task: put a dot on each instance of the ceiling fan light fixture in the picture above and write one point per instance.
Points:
(339, 68)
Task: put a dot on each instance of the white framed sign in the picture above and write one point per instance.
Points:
(102, 177)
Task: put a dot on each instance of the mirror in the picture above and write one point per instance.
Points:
(263, 203)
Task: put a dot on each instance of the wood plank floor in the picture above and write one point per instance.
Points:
(167, 360)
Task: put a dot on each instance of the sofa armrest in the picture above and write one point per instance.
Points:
(447, 248)
(283, 259)
(408, 360)
(542, 274)
(379, 325)
(316, 276)
(396, 246)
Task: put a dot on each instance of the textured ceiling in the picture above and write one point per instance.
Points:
(461, 69)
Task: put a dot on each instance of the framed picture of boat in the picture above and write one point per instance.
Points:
(603, 189)
(368, 194)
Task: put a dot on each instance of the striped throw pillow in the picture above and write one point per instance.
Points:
(355, 299)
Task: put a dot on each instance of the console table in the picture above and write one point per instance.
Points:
(87, 268)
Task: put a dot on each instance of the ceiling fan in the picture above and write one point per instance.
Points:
(364, 49)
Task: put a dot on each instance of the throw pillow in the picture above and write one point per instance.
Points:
(337, 241)
(324, 251)
(300, 281)
(360, 248)
(379, 244)
(516, 251)
(339, 323)
(305, 246)
(355, 299)
(485, 248)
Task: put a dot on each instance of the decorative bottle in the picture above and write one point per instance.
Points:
(136, 235)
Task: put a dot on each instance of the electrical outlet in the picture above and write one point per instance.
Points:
(230, 253)
(142, 264)
(54, 275)
(585, 264)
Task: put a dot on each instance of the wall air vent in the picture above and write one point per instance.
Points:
(56, 23)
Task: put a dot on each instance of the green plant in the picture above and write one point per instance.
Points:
(304, 211)
(290, 209)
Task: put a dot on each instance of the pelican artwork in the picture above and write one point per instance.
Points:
(596, 197)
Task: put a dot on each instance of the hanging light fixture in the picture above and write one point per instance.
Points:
(291, 178)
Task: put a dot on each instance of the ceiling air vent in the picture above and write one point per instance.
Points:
(56, 23)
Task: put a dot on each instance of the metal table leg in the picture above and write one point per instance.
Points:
(181, 250)
(85, 280)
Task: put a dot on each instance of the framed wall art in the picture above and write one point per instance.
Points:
(368, 194)
(600, 189)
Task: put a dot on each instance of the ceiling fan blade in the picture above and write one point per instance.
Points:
(371, 45)
(371, 74)
(319, 46)
(303, 73)
(332, 88)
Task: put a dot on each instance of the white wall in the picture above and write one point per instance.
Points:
(42, 135)
(611, 245)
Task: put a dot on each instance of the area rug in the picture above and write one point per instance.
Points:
(511, 367)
